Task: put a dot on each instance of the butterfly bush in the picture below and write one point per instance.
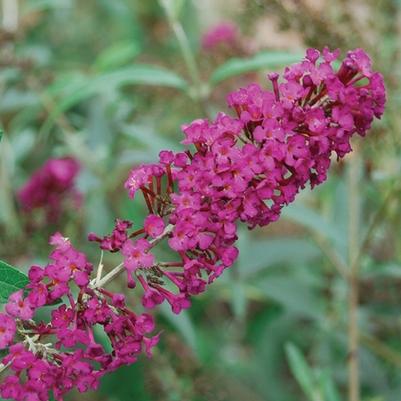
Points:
(244, 168)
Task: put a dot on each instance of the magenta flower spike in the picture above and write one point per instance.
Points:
(244, 168)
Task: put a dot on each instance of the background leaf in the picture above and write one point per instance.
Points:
(261, 61)
(76, 89)
(11, 280)
(182, 323)
(316, 223)
(117, 55)
(302, 372)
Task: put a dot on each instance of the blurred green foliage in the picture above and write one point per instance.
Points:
(110, 82)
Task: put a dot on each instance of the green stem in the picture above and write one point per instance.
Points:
(186, 51)
(10, 214)
(189, 59)
(376, 220)
(331, 254)
(70, 136)
(99, 282)
(353, 285)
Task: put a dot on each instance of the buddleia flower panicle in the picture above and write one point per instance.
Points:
(237, 168)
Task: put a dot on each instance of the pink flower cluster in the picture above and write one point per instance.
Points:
(246, 168)
(49, 186)
(62, 353)
(225, 33)
(243, 168)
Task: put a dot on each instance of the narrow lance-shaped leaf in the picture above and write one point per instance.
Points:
(328, 387)
(117, 55)
(302, 372)
(42, 5)
(183, 325)
(83, 87)
(264, 60)
(11, 280)
(316, 223)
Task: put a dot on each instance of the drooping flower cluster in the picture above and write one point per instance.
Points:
(50, 186)
(243, 168)
(246, 168)
(62, 354)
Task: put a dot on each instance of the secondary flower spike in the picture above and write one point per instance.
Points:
(223, 33)
(245, 167)
(50, 186)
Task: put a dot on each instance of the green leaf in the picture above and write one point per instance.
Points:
(142, 74)
(13, 100)
(126, 384)
(261, 61)
(315, 222)
(302, 372)
(42, 5)
(22, 143)
(294, 293)
(391, 270)
(97, 205)
(328, 387)
(81, 86)
(11, 280)
(257, 255)
(1, 134)
(117, 55)
(183, 325)
(77, 88)
(239, 302)
(149, 137)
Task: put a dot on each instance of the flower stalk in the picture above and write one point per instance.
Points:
(353, 279)
(116, 271)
